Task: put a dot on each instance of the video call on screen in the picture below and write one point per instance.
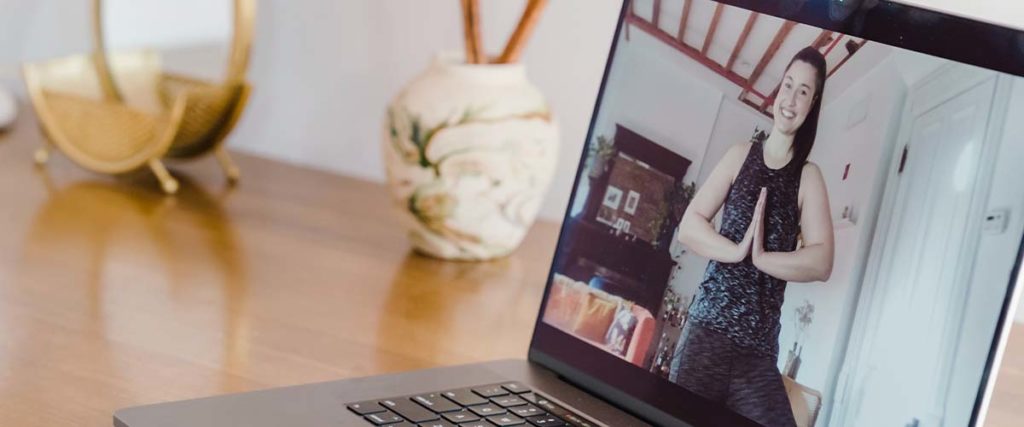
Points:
(891, 242)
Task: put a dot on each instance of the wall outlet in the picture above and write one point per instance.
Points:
(996, 221)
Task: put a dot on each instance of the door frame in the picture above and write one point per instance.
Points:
(941, 85)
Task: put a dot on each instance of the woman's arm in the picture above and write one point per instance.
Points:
(812, 262)
(696, 230)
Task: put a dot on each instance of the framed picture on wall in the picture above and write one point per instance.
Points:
(632, 201)
(612, 197)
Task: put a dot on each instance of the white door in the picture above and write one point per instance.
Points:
(921, 284)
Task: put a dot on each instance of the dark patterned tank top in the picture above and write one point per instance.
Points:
(738, 300)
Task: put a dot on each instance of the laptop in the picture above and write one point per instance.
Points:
(787, 213)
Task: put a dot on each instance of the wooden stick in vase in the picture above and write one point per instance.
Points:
(471, 30)
(517, 42)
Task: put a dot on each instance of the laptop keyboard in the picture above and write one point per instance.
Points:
(505, 404)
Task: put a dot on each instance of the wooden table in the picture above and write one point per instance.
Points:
(112, 295)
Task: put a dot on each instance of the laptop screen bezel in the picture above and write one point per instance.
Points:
(898, 25)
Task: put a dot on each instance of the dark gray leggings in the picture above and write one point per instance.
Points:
(709, 364)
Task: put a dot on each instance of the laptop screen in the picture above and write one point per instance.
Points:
(779, 224)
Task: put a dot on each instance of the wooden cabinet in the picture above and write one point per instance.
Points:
(619, 241)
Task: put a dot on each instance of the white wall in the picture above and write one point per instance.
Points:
(646, 95)
(866, 145)
(321, 67)
(35, 30)
(325, 70)
(148, 23)
(994, 256)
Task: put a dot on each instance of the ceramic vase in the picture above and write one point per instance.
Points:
(470, 150)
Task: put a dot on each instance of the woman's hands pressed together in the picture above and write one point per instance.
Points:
(813, 261)
(757, 223)
(810, 263)
(754, 236)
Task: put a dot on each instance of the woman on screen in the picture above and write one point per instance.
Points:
(771, 197)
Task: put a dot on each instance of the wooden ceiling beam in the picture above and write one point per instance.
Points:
(773, 49)
(712, 29)
(833, 45)
(822, 39)
(742, 40)
(757, 107)
(860, 44)
(683, 19)
(645, 26)
(656, 16)
(770, 99)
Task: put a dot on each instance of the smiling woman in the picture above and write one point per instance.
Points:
(771, 198)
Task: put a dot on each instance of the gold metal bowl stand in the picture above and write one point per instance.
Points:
(115, 113)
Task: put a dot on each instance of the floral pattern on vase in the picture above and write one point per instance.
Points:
(470, 151)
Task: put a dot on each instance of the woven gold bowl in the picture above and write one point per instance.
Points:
(119, 112)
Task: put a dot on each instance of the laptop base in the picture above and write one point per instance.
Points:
(324, 404)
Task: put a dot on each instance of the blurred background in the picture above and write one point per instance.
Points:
(318, 67)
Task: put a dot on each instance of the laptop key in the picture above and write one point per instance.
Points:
(491, 391)
(411, 411)
(508, 401)
(460, 417)
(505, 420)
(386, 417)
(567, 416)
(545, 404)
(438, 423)
(515, 387)
(545, 421)
(401, 424)
(480, 423)
(464, 397)
(526, 411)
(365, 408)
(437, 403)
(487, 410)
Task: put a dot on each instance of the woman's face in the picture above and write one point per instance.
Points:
(795, 98)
